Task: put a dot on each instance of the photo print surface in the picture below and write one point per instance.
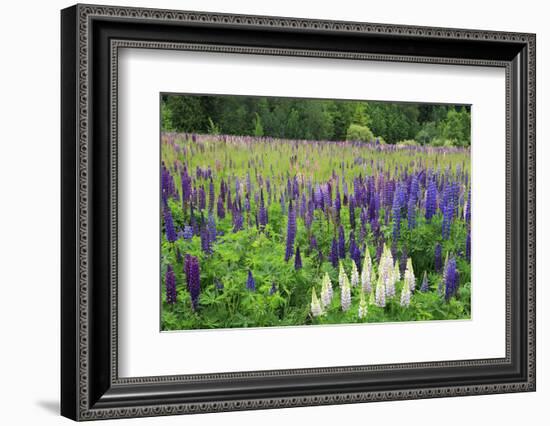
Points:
(297, 212)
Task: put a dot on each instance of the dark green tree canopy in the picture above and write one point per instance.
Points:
(318, 119)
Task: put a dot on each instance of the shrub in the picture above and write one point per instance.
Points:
(408, 142)
(359, 133)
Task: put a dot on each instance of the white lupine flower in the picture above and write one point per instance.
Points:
(363, 308)
(380, 297)
(393, 277)
(345, 293)
(385, 278)
(405, 295)
(409, 275)
(354, 275)
(316, 309)
(326, 291)
(341, 275)
(367, 273)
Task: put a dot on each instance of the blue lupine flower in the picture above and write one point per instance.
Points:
(273, 289)
(170, 282)
(250, 282)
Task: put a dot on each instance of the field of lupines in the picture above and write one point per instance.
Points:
(270, 232)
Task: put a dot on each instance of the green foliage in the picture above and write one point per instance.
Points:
(234, 254)
(258, 128)
(357, 132)
(314, 119)
(408, 142)
(456, 127)
(213, 129)
(452, 130)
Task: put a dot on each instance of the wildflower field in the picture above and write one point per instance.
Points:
(261, 231)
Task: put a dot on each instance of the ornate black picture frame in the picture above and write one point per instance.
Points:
(91, 36)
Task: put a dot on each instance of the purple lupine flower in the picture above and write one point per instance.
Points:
(396, 212)
(468, 245)
(170, 283)
(205, 240)
(411, 213)
(297, 259)
(438, 258)
(220, 208)
(468, 208)
(211, 224)
(313, 243)
(273, 289)
(403, 261)
(187, 232)
(169, 225)
(451, 278)
(202, 198)
(262, 212)
(219, 285)
(356, 256)
(425, 285)
(194, 280)
(352, 211)
(187, 268)
(185, 186)
(337, 203)
(290, 232)
(341, 243)
(431, 199)
(448, 213)
(237, 219)
(211, 196)
(334, 253)
(379, 249)
(250, 282)
(413, 193)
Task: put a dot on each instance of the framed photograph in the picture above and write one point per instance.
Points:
(263, 212)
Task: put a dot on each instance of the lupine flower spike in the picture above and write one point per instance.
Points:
(425, 286)
(326, 291)
(354, 275)
(316, 309)
(363, 307)
(367, 273)
(345, 293)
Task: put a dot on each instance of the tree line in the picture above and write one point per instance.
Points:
(318, 119)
